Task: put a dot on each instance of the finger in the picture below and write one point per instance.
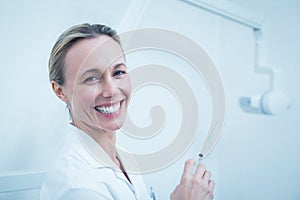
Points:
(200, 171)
(206, 177)
(188, 170)
(211, 185)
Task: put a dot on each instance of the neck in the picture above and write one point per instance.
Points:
(106, 139)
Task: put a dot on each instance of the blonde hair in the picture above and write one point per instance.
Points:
(67, 39)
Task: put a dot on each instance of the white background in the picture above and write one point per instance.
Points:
(257, 155)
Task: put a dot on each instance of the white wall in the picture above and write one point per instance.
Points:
(256, 157)
(262, 151)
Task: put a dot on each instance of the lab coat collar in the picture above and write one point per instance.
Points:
(99, 158)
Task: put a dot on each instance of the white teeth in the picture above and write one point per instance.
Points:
(108, 110)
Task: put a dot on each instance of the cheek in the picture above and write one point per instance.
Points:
(125, 86)
(84, 96)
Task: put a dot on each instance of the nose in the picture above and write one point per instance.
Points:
(108, 87)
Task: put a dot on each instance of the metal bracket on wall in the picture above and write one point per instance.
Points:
(273, 101)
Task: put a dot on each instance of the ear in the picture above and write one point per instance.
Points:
(58, 90)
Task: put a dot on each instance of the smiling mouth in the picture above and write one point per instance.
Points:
(109, 109)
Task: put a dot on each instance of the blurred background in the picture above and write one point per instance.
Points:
(257, 155)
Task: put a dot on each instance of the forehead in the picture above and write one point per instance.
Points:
(100, 52)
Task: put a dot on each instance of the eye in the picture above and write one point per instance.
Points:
(119, 73)
(91, 79)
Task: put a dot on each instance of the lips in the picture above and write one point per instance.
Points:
(109, 108)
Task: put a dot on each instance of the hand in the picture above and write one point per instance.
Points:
(196, 186)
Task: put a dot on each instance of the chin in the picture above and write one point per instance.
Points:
(112, 126)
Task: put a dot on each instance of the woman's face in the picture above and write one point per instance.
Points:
(97, 86)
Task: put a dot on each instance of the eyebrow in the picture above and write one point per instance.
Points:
(119, 64)
(96, 70)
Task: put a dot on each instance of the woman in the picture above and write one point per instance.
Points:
(88, 72)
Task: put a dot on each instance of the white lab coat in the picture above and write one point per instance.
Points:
(85, 172)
